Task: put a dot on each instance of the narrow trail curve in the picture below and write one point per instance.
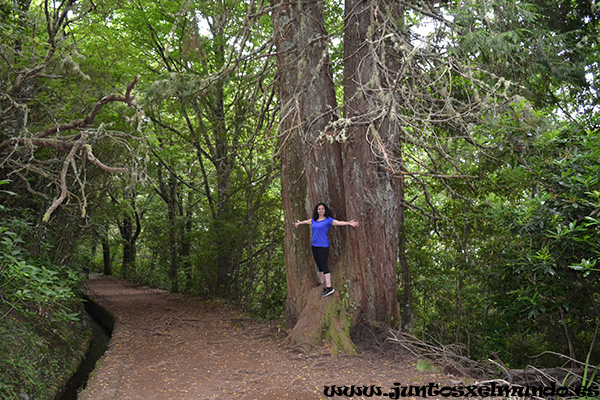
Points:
(167, 346)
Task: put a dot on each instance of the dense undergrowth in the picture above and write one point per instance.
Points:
(43, 335)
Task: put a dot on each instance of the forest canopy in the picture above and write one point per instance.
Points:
(172, 143)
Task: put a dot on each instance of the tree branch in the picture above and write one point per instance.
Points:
(63, 185)
(67, 143)
(95, 161)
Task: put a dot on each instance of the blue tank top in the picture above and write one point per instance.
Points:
(320, 230)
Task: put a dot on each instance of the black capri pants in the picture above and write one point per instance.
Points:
(320, 254)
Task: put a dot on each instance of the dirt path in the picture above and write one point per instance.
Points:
(166, 346)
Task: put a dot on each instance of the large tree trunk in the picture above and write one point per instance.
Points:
(347, 176)
(311, 167)
(372, 194)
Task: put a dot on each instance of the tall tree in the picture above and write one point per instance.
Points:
(323, 160)
(407, 102)
(311, 162)
(372, 193)
(212, 98)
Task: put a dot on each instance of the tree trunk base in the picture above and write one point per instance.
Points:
(323, 322)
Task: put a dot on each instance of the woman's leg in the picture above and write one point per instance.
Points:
(327, 279)
(321, 254)
(318, 260)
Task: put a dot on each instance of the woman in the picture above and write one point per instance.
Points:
(321, 222)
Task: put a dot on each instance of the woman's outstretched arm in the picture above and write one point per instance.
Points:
(352, 223)
(305, 222)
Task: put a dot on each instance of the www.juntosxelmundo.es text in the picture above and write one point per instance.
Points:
(435, 390)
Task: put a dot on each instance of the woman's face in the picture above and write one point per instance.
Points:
(321, 211)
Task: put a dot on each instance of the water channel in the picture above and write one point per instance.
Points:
(102, 327)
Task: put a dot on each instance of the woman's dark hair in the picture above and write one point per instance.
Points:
(327, 211)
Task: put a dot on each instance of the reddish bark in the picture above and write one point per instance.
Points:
(372, 194)
(344, 176)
